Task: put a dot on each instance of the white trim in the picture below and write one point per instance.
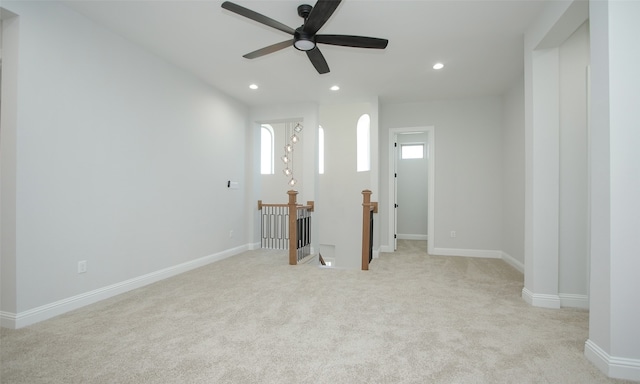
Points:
(614, 367)
(431, 172)
(48, 311)
(597, 356)
(254, 246)
(7, 319)
(387, 248)
(515, 263)
(406, 236)
(562, 300)
(570, 300)
(541, 300)
(484, 253)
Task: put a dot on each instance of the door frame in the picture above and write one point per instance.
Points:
(393, 158)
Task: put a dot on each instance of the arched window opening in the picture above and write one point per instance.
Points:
(266, 149)
(321, 150)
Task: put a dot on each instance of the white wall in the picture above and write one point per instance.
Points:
(569, 174)
(468, 171)
(412, 190)
(545, 116)
(339, 211)
(119, 159)
(8, 262)
(513, 176)
(614, 335)
(573, 220)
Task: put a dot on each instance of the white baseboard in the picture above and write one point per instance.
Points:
(386, 248)
(614, 367)
(254, 246)
(485, 253)
(541, 300)
(405, 236)
(489, 254)
(517, 264)
(570, 300)
(7, 319)
(48, 311)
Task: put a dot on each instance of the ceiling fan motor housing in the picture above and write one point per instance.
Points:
(303, 41)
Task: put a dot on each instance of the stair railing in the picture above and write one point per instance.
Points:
(368, 209)
(299, 229)
(287, 226)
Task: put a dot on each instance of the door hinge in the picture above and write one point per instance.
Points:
(395, 175)
(395, 236)
(395, 144)
(395, 205)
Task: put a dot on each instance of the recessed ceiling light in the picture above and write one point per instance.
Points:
(253, 86)
(335, 88)
(438, 66)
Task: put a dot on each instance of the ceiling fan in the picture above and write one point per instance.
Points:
(304, 37)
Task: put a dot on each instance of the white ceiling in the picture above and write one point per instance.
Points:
(479, 41)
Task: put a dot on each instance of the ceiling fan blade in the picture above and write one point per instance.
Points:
(255, 16)
(318, 61)
(269, 49)
(319, 15)
(353, 41)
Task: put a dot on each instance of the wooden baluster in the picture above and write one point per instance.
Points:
(366, 209)
(293, 233)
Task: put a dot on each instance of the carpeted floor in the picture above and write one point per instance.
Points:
(412, 318)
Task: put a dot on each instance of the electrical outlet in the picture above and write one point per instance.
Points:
(453, 234)
(82, 266)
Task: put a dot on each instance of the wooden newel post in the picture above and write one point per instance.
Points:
(366, 222)
(293, 227)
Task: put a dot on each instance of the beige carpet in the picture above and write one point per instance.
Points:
(412, 318)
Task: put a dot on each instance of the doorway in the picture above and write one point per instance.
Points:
(422, 138)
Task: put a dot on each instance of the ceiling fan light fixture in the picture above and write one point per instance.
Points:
(304, 44)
